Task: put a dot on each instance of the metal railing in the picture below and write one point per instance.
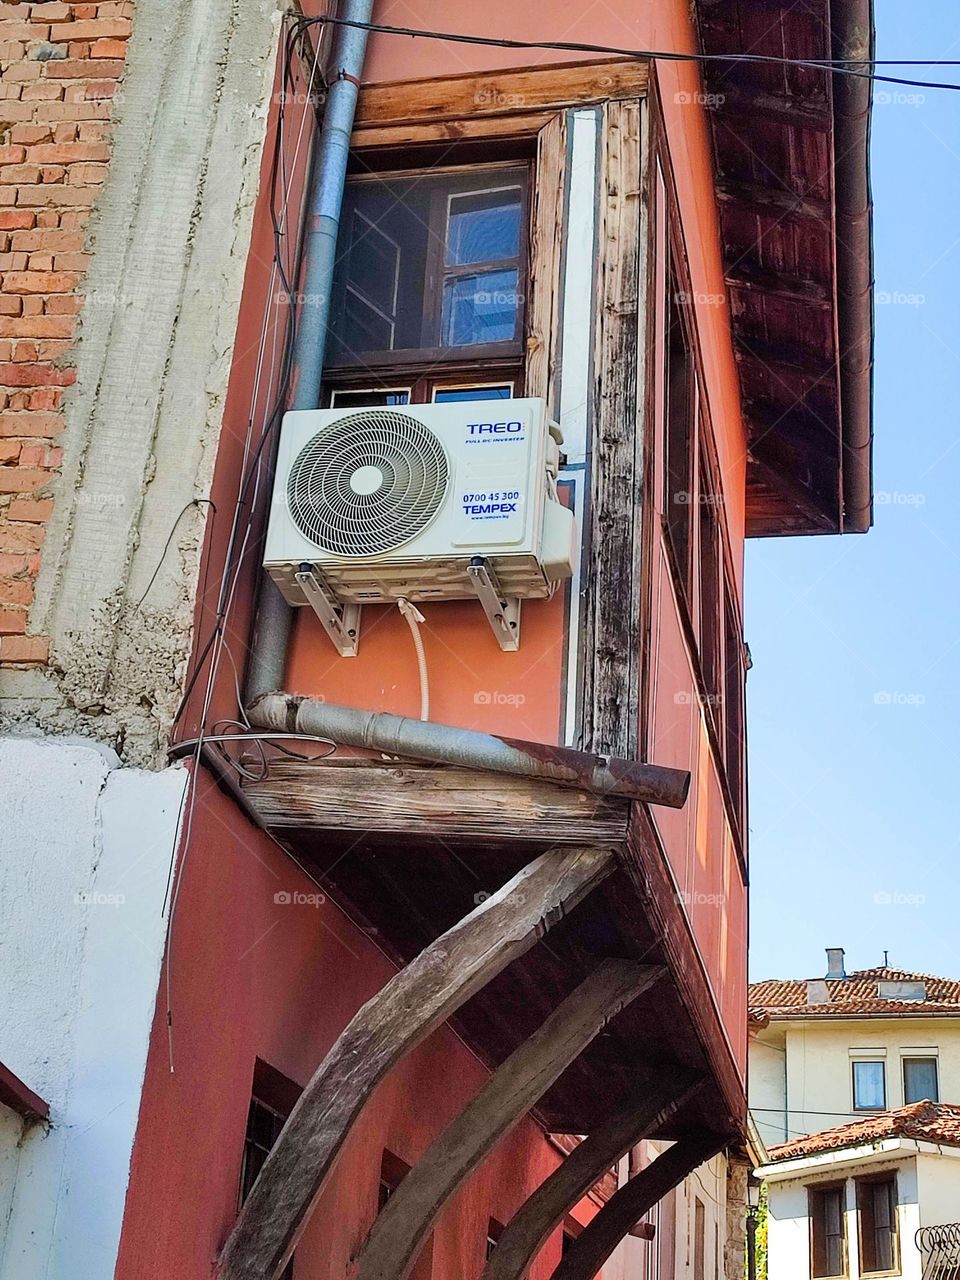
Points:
(940, 1247)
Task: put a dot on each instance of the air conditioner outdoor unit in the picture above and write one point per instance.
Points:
(423, 502)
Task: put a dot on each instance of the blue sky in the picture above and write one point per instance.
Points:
(854, 694)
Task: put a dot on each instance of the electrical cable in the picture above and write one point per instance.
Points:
(840, 66)
(414, 619)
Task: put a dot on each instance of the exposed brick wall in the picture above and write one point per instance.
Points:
(60, 64)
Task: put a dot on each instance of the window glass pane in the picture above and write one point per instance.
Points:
(480, 308)
(368, 399)
(483, 226)
(869, 1092)
(446, 395)
(920, 1079)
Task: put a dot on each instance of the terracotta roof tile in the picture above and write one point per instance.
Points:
(857, 993)
(925, 1121)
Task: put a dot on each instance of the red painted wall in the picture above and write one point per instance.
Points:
(255, 978)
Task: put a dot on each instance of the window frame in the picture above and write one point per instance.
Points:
(865, 1189)
(444, 178)
(865, 1061)
(815, 1197)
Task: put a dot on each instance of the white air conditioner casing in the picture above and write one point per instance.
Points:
(389, 502)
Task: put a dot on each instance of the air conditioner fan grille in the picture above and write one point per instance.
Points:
(367, 484)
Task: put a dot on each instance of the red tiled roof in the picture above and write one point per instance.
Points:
(925, 1121)
(857, 993)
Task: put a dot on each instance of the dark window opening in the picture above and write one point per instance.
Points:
(877, 1208)
(431, 266)
(494, 1232)
(393, 1170)
(920, 1080)
(680, 436)
(699, 1238)
(273, 1099)
(828, 1237)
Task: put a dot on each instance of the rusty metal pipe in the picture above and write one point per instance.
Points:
(443, 744)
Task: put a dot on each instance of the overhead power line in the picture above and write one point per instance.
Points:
(839, 66)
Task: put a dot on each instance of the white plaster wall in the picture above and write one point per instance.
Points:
(788, 1224)
(707, 1184)
(767, 1087)
(938, 1179)
(819, 1076)
(84, 853)
(11, 1131)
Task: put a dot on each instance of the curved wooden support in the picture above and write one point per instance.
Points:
(413, 1004)
(391, 1248)
(597, 1241)
(642, 1113)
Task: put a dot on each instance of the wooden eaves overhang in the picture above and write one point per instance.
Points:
(793, 190)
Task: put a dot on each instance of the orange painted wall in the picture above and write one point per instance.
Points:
(254, 978)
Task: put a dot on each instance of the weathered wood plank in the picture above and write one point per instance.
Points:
(398, 1234)
(611, 634)
(454, 805)
(514, 92)
(546, 255)
(425, 131)
(640, 1115)
(413, 1004)
(594, 1245)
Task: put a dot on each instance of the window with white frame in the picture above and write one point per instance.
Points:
(869, 1085)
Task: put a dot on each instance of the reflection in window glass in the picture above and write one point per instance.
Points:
(483, 227)
(480, 308)
(369, 399)
(446, 395)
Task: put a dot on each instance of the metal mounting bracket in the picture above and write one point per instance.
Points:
(503, 612)
(340, 621)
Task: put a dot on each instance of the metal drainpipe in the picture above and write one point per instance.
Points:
(274, 617)
(444, 744)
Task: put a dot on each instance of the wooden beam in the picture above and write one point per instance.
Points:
(611, 633)
(744, 275)
(424, 132)
(413, 1004)
(591, 1249)
(514, 92)
(640, 1115)
(789, 205)
(546, 257)
(738, 106)
(390, 1250)
(454, 805)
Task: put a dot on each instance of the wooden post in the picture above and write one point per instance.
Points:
(411, 1006)
(643, 1112)
(594, 1245)
(397, 1236)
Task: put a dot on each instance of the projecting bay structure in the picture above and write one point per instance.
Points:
(454, 977)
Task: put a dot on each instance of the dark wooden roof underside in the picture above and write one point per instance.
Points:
(790, 149)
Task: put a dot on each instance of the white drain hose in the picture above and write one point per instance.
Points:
(414, 618)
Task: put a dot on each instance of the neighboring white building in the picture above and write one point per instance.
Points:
(849, 1201)
(878, 1049)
